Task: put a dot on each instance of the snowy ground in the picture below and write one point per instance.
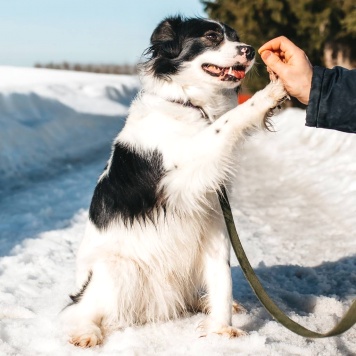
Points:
(294, 203)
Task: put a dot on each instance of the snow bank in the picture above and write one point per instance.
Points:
(294, 202)
(50, 117)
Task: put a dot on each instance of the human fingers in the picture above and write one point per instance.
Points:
(273, 62)
(285, 49)
(278, 44)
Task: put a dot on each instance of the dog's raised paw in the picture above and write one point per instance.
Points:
(276, 93)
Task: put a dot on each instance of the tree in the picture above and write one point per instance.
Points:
(310, 24)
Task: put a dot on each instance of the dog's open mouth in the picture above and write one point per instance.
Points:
(232, 74)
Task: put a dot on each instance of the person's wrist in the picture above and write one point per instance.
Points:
(304, 99)
(307, 81)
(306, 86)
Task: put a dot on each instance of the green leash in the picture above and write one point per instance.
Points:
(345, 323)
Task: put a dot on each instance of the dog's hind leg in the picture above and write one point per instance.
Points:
(83, 318)
(237, 307)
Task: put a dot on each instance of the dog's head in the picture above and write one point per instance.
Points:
(198, 50)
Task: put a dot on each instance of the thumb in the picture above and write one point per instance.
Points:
(272, 61)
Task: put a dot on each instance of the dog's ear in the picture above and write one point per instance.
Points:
(166, 30)
(164, 38)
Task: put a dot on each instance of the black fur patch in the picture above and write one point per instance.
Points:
(177, 40)
(76, 298)
(130, 189)
(231, 33)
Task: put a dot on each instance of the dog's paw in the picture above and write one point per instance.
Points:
(275, 93)
(208, 327)
(89, 337)
(230, 332)
(237, 308)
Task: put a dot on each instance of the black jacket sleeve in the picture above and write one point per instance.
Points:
(332, 102)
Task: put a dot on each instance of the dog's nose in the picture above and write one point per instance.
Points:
(247, 51)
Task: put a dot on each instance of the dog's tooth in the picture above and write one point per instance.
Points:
(230, 71)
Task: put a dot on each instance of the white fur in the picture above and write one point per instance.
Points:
(156, 272)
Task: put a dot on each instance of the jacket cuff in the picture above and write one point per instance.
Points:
(314, 98)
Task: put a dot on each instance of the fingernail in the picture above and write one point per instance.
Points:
(265, 54)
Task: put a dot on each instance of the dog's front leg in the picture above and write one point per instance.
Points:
(206, 160)
(218, 282)
(253, 112)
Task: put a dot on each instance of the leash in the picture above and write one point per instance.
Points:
(348, 320)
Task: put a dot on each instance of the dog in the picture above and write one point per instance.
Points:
(155, 246)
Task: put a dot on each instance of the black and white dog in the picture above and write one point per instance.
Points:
(155, 247)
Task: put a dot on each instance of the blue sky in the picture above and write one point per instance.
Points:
(85, 31)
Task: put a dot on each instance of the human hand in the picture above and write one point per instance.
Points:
(291, 65)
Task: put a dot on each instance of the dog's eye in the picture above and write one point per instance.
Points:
(213, 36)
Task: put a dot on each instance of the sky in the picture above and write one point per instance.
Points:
(82, 31)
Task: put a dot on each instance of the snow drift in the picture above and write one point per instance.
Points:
(52, 117)
(294, 203)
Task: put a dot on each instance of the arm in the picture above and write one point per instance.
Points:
(291, 65)
(329, 93)
(332, 102)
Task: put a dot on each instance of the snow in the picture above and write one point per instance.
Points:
(294, 202)
(43, 112)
